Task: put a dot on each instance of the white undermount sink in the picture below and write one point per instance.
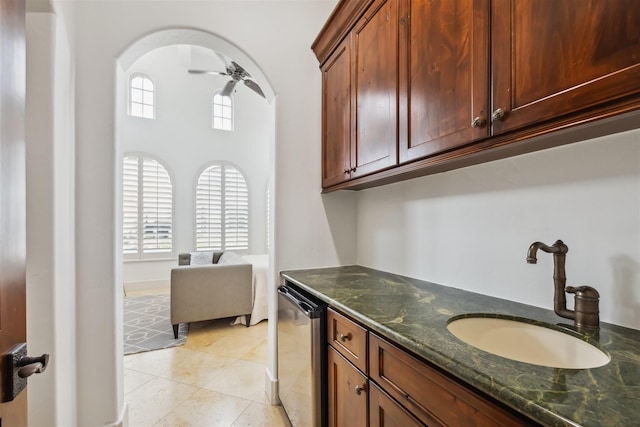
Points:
(526, 342)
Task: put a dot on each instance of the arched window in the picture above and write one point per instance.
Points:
(222, 112)
(141, 96)
(147, 208)
(222, 209)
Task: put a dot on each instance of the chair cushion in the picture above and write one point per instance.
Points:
(201, 258)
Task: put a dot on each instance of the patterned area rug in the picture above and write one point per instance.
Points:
(147, 325)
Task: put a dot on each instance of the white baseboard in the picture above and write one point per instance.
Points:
(124, 418)
(271, 388)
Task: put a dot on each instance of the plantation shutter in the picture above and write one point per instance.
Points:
(157, 209)
(130, 205)
(236, 210)
(222, 209)
(209, 209)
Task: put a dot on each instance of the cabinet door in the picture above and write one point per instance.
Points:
(348, 390)
(386, 412)
(375, 59)
(337, 116)
(444, 75)
(554, 57)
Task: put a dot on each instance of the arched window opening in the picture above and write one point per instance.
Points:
(147, 208)
(222, 209)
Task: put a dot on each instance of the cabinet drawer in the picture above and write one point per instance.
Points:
(430, 395)
(349, 338)
(384, 411)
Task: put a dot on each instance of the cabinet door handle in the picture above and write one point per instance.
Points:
(498, 114)
(345, 338)
(346, 171)
(360, 389)
(353, 169)
(478, 122)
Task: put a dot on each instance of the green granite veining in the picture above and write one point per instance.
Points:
(414, 314)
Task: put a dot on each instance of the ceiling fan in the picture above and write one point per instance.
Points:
(237, 73)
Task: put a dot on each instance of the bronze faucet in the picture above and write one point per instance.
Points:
(586, 313)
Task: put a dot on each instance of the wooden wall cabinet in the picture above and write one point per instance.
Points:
(550, 58)
(360, 98)
(444, 72)
(472, 80)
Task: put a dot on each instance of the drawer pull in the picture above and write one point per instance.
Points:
(359, 390)
(345, 338)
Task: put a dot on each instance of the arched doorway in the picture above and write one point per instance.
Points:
(210, 41)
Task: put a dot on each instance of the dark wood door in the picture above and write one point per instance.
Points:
(386, 412)
(347, 390)
(337, 116)
(12, 197)
(554, 57)
(444, 75)
(375, 58)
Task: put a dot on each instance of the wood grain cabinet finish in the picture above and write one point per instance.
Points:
(337, 116)
(348, 393)
(360, 98)
(430, 86)
(550, 58)
(431, 396)
(386, 412)
(375, 63)
(349, 338)
(444, 74)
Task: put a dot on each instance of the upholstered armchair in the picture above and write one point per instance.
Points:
(210, 285)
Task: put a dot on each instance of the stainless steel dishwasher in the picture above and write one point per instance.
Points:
(302, 356)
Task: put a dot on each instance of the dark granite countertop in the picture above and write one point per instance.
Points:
(414, 314)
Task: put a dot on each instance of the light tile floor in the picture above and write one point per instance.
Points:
(216, 379)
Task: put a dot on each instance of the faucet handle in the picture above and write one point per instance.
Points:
(587, 313)
(583, 291)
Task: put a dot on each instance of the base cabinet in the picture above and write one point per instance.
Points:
(431, 396)
(348, 391)
(392, 388)
(384, 411)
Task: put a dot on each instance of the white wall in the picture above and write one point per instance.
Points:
(471, 228)
(182, 139)
(586, 194)
(277, 36)
(50, 216)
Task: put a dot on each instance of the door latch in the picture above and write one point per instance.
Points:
(17, 368)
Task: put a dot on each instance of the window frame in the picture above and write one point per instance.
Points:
(140, 253)
(231, 107)
(223, 246)
(130, 90)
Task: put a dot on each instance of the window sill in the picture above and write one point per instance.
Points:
(135, 260)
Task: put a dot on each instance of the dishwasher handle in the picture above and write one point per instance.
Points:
(300, 301)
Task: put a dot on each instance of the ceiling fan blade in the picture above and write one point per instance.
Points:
(216, 73)
(228, 88)
(226, 61)
(254, 86)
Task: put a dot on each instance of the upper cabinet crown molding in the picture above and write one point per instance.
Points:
(338, 25)
(414, 87)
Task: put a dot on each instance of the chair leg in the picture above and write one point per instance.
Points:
(248, 319)
(175, 331)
